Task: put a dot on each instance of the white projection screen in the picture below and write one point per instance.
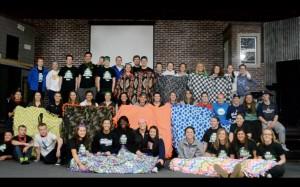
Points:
(122, 40)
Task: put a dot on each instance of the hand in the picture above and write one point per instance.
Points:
(2, 158)
(58, 154)
(271, 124)
(160, 161)
(25, 149)
(107, 153)
(25, 144)
(98, 153)
(82, 167)
(139, 153)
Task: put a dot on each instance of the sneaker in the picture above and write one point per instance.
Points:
(26, 160)
(21, 160)
(58, 163)
(220, 171)
(269, 175)
(236, 171)
(285, 148)
(155, 170)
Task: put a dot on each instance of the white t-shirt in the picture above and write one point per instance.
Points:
(167, 72)
(47, 143)
(52, 81)
(84, 103)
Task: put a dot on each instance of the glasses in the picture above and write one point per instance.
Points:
(267, 134)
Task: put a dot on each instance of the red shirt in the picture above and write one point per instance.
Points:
(208, 106)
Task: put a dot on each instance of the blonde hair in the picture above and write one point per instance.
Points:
(217, 142)
(273, 136)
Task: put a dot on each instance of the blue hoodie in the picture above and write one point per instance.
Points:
(220, 110)
(118, 73)
(33, 79)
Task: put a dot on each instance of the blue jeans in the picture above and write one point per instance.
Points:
(18, 153)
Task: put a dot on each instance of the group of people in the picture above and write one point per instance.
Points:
(252, 124)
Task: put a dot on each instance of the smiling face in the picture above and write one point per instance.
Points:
(73, 96)
(214, 123)
(87, 58)
(37, 97)
(156, 98)
(217, 70)
(222, 135)
(128, 68)
(123, 123)
(107, 97)
(43, 130)
(81, 132)
(241, 136)
(200, 68)
(267, 136)
(69, 60)
(152, 133)
(124, 98)
(188, 95)
(239, 120)
(220, 98)
(142, 99)
(106, 125)
(229, 69)
(173, 97)
(204, 98)
(7, 136)
(170, 67)
(18, 96)
(182, 68)
(89, 97)
(189, 133)
(55, 66)
(142, 124)
(249, 99)
(57, 97)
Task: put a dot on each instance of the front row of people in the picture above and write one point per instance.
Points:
(108, 141)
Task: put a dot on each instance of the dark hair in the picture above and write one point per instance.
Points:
(39, 58)
(143, 94)
(242, 65)
(13, 96)
(69, 56)
(124, 118)
(88, 53)
(204, 93)
(22, 126)
(236, 141)
(120, 101)
(60, 102)
(76, 100)
(85, 139)
(118, 57)
(107, 58)
(252, 108)
(232, 73)
(170, 63)
(33, 100)
(42, 125)
(156, 138)
(240, 114)
(136, 56)
(170, 96)
(158, 63)
(128, 64)
(189, 127)
(93, 100)
(215, 117)
(185, 98)
(161, 103)
(102, 122)
(221, 73)
(8, 131)
(144, 57)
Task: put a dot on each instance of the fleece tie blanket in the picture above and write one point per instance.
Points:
(124, 162)
(204, 166)
(159, 116)
(167, 84)
(189, 115)
(29, 117)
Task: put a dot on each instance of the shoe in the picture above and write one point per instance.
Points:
(236, 171)
(21, 160)
(26, 160)
(269, 175)
(58, 163)
(155, 170)
(220, 171)
(285, 148)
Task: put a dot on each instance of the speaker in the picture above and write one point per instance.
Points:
(288, 100)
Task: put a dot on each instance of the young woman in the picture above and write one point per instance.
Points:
(190, 147)
(239, 124)
(169, 70)
(125, 83)
(108, 103)
(200, 69)
(123, 100)
(188, 98)
(15, 101)
(73, 98)
(79, 144)
(142, 100)
(105, 141)
(155, 147)
(125, 134)
(221, 147)
(157, 100)
(250, 108)
(37, 101)
(173, 98)
(216, 71)
(56, 107)
(52, 82)
(182, 70)
(89, 99)
(205, 101)
(210, 134)
(244, 81)
(6, 147)
(243, 147)
(234, 109)
(269, 149)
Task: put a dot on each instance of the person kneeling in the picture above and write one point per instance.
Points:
(47, 146)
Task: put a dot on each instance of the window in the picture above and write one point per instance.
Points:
(249, 49)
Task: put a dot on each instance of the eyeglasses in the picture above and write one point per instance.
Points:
(267, 134)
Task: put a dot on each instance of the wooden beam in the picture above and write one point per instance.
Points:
(15, 63)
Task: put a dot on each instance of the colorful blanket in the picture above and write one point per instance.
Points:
(204, 166)
(29, 117)
(159, 116)
(123, 162)
(167, 84)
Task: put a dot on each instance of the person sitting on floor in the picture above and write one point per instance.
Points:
(6, 147)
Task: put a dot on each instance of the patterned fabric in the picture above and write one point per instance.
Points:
(144, 82)
(123, 162)
(204, 166)
(29, 117)
(167, 84)
(212, 85)
(159, 116)
(125, 84)
(90, 116)
(189, 115)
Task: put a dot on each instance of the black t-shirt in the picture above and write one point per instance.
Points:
(106, 76)
(87, 72)
(22, 139)
(40, 80)
(12, 105)
(68, 77)
(241, 151)
(55, 109)
(234, 128)
(141, 141)
(75, 144)
(232, 112)
(268, 112)
(105, 142)
(210, 136)
(270, 152)
(6, 149)
(221, 152)
(136, 69)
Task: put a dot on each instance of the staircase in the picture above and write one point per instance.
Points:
(293, 143)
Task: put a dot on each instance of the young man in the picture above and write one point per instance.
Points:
(119, 68)
(220, 109)
(23, 145)
(101, 61)
(136, 63)
(47, 146)
(37, 79)
(268, 115)
(158, 69)
(86, 78)
(145, 79)
(68, 78)
(244, 82)
(234, 109)
(105, 80)
(52, 82)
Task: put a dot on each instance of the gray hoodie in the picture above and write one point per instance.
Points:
(186, 150)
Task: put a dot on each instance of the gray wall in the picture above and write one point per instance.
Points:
(8, 26)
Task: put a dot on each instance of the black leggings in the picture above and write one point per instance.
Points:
(255, 129)
(277, 171)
